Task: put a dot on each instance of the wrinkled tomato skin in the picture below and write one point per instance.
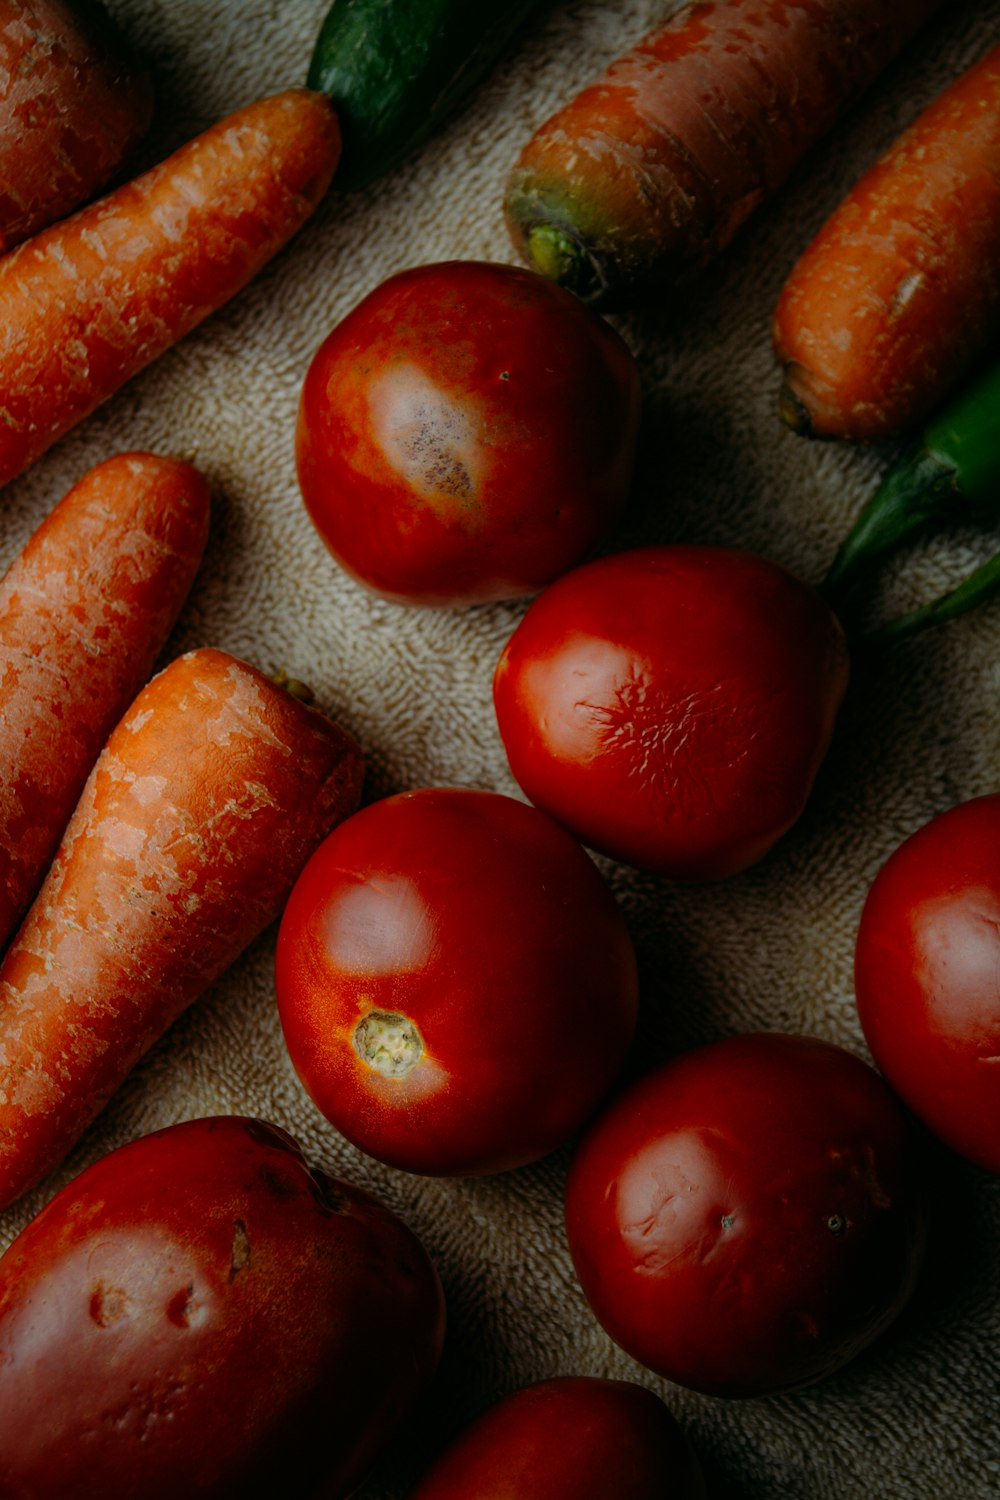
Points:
(466, 433)
(199, 1314)
(671, 706)
(575, 1438)
(478, 921)
(748, 1217)
(927, 976)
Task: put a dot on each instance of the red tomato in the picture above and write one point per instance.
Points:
(570, 1439)
(672, 705)
(746, 1218)
(927, 976)
(466, 433)
(456, 984)
(200, 1314)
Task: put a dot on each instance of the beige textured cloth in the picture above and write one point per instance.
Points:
(916, 1418)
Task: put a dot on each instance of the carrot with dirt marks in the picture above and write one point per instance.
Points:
(900, 291)
(85, 610)
(89, 302)
(648, 173)
(74, 103)
(204, 805)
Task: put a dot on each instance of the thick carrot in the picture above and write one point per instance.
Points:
(74, 102)
(89, 302)
(900, 290)
(648, 173)
(84, 612)
(204, 805)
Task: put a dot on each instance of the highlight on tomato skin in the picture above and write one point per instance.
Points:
(672, 705)
(466, 433)
(749, 1216)
(456, 984)
(927, 976)
(570, 1438)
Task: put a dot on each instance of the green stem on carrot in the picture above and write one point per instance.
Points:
(951, 474)
(557, 255)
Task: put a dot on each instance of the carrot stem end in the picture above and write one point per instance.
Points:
(558, 256)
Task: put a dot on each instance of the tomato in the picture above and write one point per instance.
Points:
(672, 705)
(571, 1439)
(466, 433)
(927, 976)
(746, 1218)
(200, 1314)
(456, 984)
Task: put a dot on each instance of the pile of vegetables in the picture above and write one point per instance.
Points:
(456, 984)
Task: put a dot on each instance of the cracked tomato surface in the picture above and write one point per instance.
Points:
(672, 705)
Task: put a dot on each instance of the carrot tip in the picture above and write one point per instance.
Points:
(794, 412)
(561, 258)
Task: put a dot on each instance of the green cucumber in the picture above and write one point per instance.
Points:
(393, 69)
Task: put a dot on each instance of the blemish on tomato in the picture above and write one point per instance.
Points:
(107, 1305)
(179, 1305)
(280, 1184)
(807, 1325)
(388, 1042)
(240, 1254)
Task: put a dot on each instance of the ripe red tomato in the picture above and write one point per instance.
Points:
(456, 984)
(927, 976)
(466, 433)
(199, 1313)
(747, 1218)
(571, 1439)
(672, 705)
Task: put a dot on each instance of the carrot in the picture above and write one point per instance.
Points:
(89, 302)
(84, 612)
(647, 174)
(74, 103)
(204, 805)
(900, 290)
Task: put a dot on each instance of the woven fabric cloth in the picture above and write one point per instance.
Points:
(915, 1418)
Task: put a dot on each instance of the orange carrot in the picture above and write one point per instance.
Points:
(74, 102)
(84, 613)
(89, 302)
(204, 805)
(648, 173)
(900, 290)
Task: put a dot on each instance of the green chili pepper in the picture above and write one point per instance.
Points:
(982, 584)
(950, 475)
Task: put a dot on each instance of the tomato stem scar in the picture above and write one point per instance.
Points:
(388, 1042)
